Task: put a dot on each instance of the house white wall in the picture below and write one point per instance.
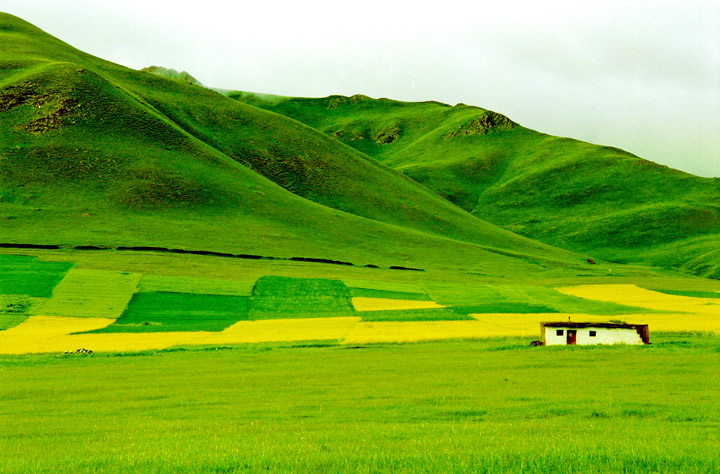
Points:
(603, 336)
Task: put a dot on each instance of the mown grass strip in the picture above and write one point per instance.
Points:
(433, 314)
(362, 304)
(372, 293)
(504, 307)
(205, 286)
(384, 285)
(692, 294)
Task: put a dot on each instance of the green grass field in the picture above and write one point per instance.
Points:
(160, 312)
(22, 275)
(25, 284)
(282, 297)
(483, 407)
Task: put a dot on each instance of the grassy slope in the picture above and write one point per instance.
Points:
(103, 154)
(562, 191)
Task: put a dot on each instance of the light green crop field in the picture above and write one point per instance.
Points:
(454, 407)
(91, 293)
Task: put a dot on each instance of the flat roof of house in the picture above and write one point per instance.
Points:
(571, 324)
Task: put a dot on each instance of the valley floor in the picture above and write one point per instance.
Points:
(486, 406)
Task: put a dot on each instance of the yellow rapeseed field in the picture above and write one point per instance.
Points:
(387, 304)
(688, 314)
(413, 331)
(283, 330)
(45, 334)
(525, 324)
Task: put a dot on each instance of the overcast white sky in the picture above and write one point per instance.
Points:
(635, 74)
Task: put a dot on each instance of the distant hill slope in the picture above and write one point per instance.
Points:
(565, 192)
(183, 76)
(95, 153)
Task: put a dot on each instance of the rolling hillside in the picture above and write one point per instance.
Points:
(565, 192)
(93, 153)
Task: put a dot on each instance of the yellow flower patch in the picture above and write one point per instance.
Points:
(283, 330)
(43, 334)
(388, 304)
(524, 324)
(414, 331)
(633, 295)
(690, 314)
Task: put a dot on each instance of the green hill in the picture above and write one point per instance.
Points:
(93, 153)
(564, 192)
(183, 76)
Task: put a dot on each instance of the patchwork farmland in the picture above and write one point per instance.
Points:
(66, 308)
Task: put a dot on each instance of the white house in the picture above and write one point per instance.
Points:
(569, 333)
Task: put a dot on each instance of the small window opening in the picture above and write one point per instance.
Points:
(593, 333)
(559, 332)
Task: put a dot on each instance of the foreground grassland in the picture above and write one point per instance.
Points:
(485, 406)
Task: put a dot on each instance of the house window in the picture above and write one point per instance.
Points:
(593, 333)
(559, 332)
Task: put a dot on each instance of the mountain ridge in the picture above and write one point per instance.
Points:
(572, 194)
(122, 157)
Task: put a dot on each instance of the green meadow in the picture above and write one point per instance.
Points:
(483, 406)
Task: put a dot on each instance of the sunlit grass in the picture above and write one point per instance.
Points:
(483, 406)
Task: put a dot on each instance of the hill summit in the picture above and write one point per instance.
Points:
(96, 154)
(172, 74)
(576, 195)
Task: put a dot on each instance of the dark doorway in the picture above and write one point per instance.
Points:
(571, 337)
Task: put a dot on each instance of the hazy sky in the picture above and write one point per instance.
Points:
(635, 74)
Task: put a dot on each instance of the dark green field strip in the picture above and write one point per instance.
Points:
(14, 309)
(283, 297)
(395, 295)
(10, 320)
(692, 294)
(504, 307)
(520, 299)
(21, 275)
(161, 312)
(431, 314)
